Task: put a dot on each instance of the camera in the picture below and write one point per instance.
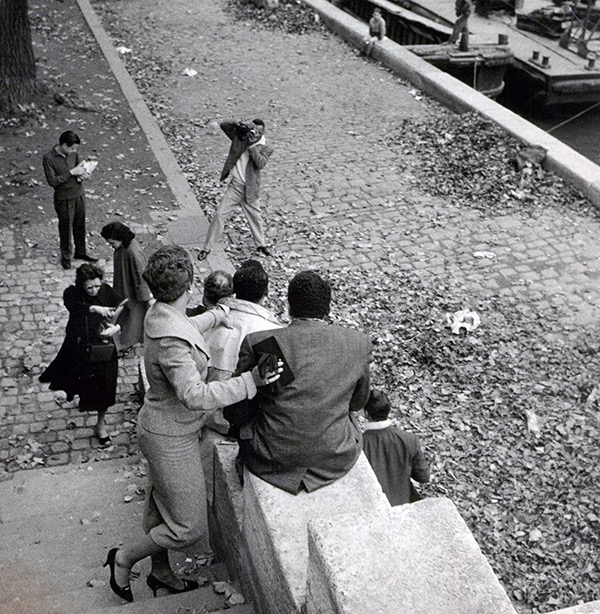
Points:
(248, 129)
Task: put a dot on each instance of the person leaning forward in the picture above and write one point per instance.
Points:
(65, 172)
(303, 435)
(248, 155)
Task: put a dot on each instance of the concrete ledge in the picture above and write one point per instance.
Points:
(426, 561)
(561, 159)
(592, 607)
(275, 531)
(225, 515)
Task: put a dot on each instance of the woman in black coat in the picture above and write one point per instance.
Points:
(91, 305)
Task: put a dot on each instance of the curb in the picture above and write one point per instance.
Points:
(192, 225)
(560, 158)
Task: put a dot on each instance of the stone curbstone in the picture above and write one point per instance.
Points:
(436, 562)
(561, 159)
(176, 178)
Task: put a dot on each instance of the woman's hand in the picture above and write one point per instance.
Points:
(110, 331)
(269, 377)
(221, 313)
(105, 312)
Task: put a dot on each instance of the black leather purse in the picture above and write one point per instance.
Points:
(96, 349)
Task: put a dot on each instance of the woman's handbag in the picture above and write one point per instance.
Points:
(95, 349)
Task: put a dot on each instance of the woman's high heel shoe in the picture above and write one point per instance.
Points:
(154, 583)
(122, 591)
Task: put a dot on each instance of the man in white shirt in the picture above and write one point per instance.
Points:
(248, 154)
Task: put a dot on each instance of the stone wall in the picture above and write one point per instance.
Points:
(342, 549)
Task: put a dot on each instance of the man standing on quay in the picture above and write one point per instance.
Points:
(65, 173)
(248, 154)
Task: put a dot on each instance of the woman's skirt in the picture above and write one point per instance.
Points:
(175, 514)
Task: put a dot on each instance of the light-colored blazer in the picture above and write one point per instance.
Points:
(224, 343)
(176, 358)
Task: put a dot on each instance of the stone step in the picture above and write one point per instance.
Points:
(93, 601)
(56, 527)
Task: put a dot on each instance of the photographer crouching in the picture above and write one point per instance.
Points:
(248, 154)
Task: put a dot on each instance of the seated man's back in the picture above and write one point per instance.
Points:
(304, 435)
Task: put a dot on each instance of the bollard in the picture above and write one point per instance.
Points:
(503, 39)
(535, 56)
(591, 63)
(546, 61)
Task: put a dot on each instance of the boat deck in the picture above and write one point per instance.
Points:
(565, 68)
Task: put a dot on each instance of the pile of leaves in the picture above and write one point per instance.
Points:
(470, 160)
(290, 16)
(508, 415)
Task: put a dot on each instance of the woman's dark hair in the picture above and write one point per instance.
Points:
(169, 273)
(68, 138)
(309, 296)
(119, 232)
(86, 272)
(378, 405)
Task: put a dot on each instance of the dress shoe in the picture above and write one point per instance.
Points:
(86, 257)
(66, 263)
(122, 591)
(263, 249)
(155, 584)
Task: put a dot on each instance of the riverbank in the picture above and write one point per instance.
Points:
(507, 414)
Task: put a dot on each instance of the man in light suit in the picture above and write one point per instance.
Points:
(248, 154)
(302, 436)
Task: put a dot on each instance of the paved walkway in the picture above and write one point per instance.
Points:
(335, 197)
(335, 194)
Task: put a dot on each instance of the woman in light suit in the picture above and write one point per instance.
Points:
(169, 424)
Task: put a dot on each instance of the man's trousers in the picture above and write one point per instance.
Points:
(235, 194)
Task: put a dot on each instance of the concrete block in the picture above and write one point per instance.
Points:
(226, 512)
(592, 607)
(275, 531)
(411, 559)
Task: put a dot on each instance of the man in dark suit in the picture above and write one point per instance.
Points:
(248, 154)
(303, 435)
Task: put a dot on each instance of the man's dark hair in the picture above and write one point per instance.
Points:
(217, 285)
(250, 281)
(378, 406)
(119, 232)
(68, 138)
(258, 122)
(309, 296)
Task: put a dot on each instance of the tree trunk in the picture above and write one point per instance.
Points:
(17, 62)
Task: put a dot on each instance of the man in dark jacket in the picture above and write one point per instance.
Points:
(304, 436)
(248, 154)
(395, 455)
(65, 172)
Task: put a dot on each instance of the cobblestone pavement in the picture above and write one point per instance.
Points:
(38, 426)
(335, 196)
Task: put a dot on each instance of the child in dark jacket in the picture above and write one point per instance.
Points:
(395, 455)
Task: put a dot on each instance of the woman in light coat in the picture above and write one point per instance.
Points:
(170, 421)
